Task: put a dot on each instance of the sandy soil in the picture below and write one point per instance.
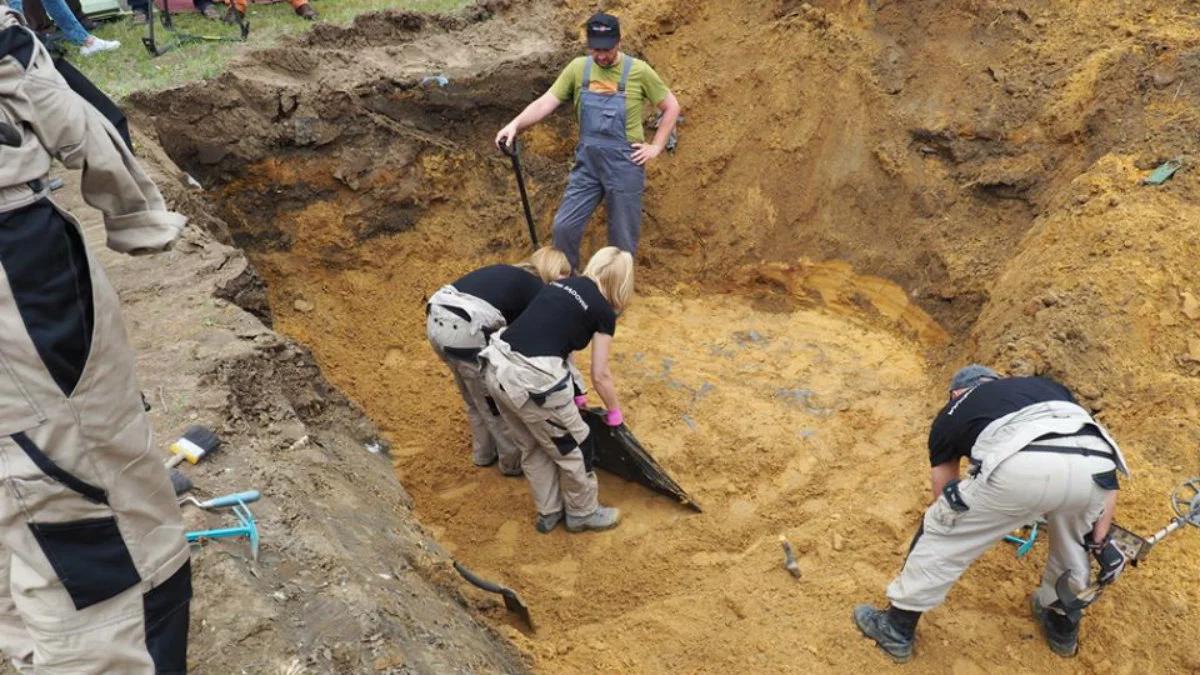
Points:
(964, 172)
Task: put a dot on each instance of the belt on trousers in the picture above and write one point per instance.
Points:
(1067, 450)
(541, 396)
(16, 194)
(1087, 430)
(1106, 480)
(1059, 449)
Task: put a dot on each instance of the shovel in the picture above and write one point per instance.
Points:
(512, 601)
(515, 154)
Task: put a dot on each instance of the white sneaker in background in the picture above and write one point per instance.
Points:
(95, 45)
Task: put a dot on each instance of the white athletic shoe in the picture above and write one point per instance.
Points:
(95, 45)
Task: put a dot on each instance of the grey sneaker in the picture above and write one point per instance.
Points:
(875, 624)
(547, 523)
(603, 518)
(1062, 635)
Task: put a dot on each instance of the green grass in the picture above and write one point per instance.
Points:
(131, 68)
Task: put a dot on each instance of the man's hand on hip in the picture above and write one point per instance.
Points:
(644, 152)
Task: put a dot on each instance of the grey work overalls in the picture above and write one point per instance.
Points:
(603, 168)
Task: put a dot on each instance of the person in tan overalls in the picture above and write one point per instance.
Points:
(94, 569)
(459, 319)
(528, 371)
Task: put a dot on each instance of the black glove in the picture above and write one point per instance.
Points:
(1111, 559)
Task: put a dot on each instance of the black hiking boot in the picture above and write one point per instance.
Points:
(1062, 634)
(894, 630)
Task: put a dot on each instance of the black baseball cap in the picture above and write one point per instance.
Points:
(603, 31)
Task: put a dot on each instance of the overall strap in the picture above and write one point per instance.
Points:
(587, 73)
(625, 72)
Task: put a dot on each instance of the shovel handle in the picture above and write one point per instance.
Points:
(478, 581)
(515, 155)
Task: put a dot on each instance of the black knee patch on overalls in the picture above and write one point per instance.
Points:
(492, 407)
(565, 444)
(588, 447)
(166, 609)
(47, 268)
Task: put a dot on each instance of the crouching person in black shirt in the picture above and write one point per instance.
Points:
(459, 319)
(1034, 453)
(528, 373)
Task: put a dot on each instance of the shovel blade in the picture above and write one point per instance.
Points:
(512, 602)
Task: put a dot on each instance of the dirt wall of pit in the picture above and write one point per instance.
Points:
(979, 160)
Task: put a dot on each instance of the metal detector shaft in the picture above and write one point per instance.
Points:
(515, 154)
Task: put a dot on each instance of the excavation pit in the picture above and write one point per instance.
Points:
(799, 304)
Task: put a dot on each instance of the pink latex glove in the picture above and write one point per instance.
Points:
(614, 418)
(581, 401)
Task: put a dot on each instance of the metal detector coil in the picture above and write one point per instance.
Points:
(1186, 501)
(158, 49)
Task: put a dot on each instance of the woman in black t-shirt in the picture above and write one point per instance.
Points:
(528, 372)
(461, 315)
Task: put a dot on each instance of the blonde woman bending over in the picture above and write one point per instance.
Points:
(528, 372)
(459, 319)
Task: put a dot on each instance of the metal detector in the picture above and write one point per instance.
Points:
(1185, 502)
(157, 49)
(515, 154)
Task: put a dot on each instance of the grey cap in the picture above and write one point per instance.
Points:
(971, 376)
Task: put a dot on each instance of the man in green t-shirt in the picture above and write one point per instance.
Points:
(608, 88)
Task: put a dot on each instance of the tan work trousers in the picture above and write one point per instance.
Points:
(92, 550)
(1027, 486)
(109, 637)
(549, 432)
(457, 342)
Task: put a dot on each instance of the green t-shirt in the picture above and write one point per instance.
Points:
(643, 84)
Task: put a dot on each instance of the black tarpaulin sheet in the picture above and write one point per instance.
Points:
(615, 450)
